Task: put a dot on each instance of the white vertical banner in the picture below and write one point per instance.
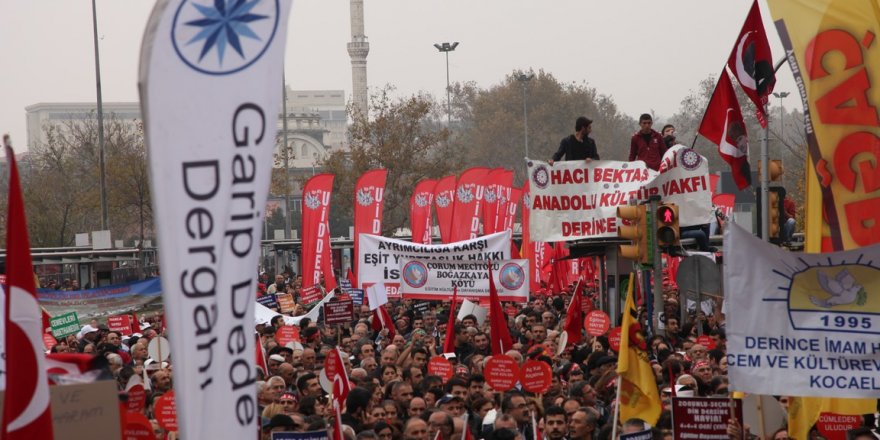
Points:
(210, 75)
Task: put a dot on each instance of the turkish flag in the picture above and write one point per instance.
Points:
(752, 63)
(369, 191)
(444, 201)
(469, 194)
(316, 232)
(449, 340)
(420, 211)
(499, 334)
(261, 357)
(334, 370)
(723, 125)
(26, 414)
(574, 316)
(135, 324)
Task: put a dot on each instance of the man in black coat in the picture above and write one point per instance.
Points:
(579, 146)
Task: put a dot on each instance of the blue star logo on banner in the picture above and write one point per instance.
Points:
(223, 36)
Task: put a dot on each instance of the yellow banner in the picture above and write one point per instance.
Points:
(832, 48)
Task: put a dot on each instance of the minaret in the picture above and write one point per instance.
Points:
(358, 49)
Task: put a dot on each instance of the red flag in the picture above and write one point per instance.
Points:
(369, 192)
(444, 204)
(135, 323)
(510, 210)
(514, 251)
(574, 316)
(561, 268)
(261, 357)
(382, 320)
(495, 196)
(350, 277)
(449, 341)
(752, 63)
(420, 211)
(466, 432)
(47, 318)
(468, 204)
(499, 334)
(26, 414)
(334, 370)
(723, 125)
(316, 232)
(528, 247)
(337, 408)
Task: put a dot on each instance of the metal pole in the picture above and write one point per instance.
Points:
(658, 266)
(765, 191)
(699, 302)
(448, 99)
(526, 118)
(287, 211)
(105, 222)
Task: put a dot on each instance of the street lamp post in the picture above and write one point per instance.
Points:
(446, 48)
(288, 212)
(781, 95)
(524, 79)
(105, 222)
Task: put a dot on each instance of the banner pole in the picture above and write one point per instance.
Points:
(765, 189)
(616, 410)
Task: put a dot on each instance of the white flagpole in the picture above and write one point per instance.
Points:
(617, 409)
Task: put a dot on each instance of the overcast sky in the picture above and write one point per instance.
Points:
(646, 54)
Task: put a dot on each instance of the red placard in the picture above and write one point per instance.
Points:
(286, 334)
(614, 339)
(166, 412)
(536, 376)
(137, 398)
(440, 366)
(699, 418)
(308, 295)
(120, 323)
(338, 312)
(137, 427)
(597, 323)
(501, 372)
(706, 341)
(834, 426)
(49, 341)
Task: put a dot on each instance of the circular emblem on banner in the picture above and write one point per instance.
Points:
(443, 200)
(365, 196)
(490, 195)
(220, 37)
(511, 276)
(312, 200)
(465, 194)
(689, 159)
(421, 200)
(415, 274)
(541, 176)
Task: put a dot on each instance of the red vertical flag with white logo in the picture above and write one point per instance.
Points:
(369, 191)
(752, 63)
(509, 217)
(26, 413)
(316, 232)
(723, 125)
(444, 201)
(495, 197)
(420, 211)
(468, 203)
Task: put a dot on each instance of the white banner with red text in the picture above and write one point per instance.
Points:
(436, 279)
(380, 257)
(574, 200)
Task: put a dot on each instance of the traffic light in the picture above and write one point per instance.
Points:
(668, 233)
(775, 212)
(636, 231)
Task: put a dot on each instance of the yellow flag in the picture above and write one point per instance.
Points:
(639, 397)
(803, 412)
(832, 49)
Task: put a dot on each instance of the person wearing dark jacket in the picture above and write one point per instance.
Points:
(646, 144)
(579, 146)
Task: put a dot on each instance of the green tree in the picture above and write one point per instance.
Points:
(491, 127)
(403, 136)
